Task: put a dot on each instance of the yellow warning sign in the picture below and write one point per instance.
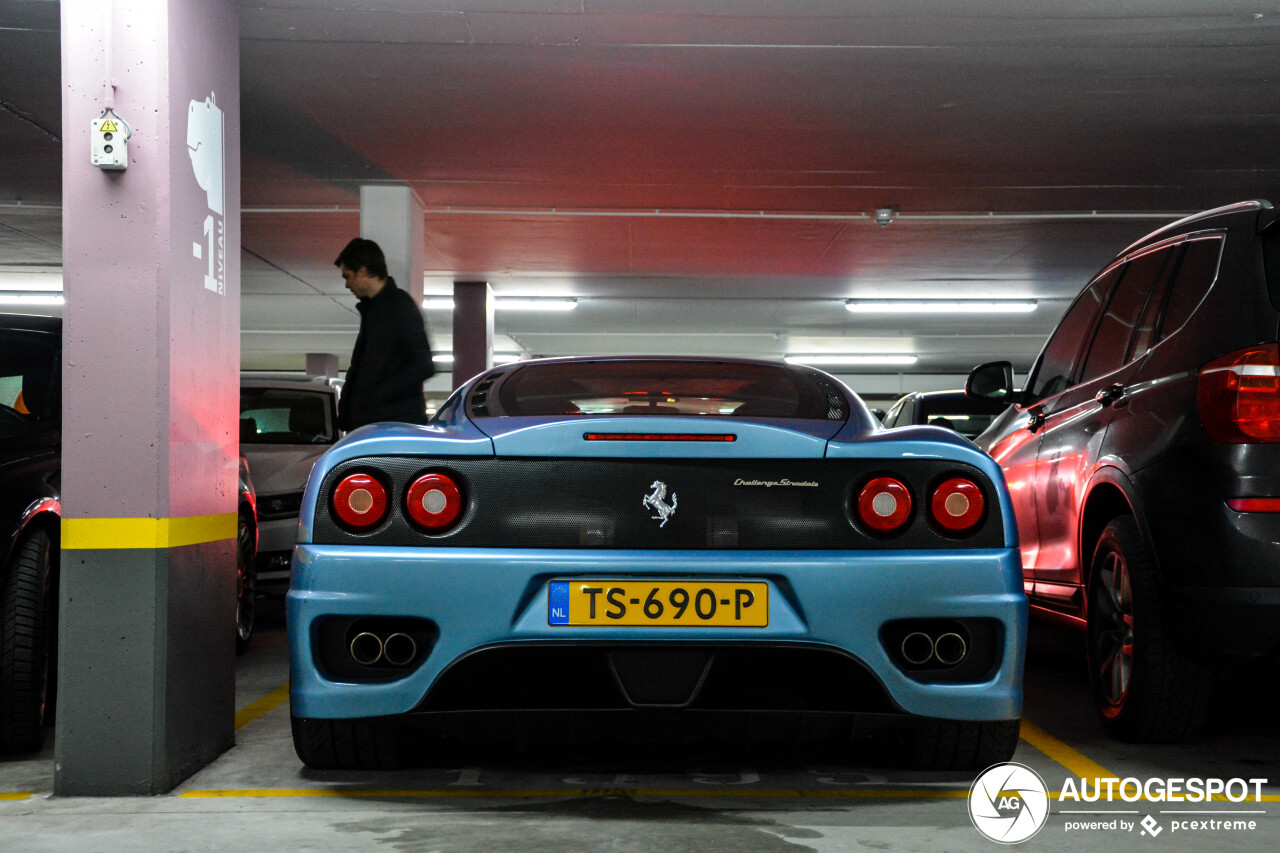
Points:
(108, 126)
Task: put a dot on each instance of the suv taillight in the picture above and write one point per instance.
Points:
(1238, 396)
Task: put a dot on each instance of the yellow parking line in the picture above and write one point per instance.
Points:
(266, 704)
(14, 796)
(524, 793)
(1080, 765)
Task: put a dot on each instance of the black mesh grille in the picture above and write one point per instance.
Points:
(721, 504)
(753, 676)
(836, 408)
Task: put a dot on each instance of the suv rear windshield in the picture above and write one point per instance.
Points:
(286, 416)
(725, 389)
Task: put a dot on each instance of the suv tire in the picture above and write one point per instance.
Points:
(1145, 689)
(25, 643)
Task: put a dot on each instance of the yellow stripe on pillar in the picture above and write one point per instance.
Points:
(95, 534)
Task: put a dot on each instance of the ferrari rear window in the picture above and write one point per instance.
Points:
(662, 387)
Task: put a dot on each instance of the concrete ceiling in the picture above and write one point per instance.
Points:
(702, 173)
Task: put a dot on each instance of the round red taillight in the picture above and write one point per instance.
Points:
(434, 501)
(360, 501)
(884, 504)
(957, 505)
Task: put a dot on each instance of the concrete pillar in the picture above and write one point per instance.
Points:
(472, 329)
(322, 364)
(393, 218)
(151, 262)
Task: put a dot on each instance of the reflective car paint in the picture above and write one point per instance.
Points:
(481, 597)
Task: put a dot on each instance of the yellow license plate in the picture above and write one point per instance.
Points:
(691, 604)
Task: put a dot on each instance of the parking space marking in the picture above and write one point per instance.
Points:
(527, 793)
(14, 796)
(1080, 765)
(266, 704)
(1060, 752)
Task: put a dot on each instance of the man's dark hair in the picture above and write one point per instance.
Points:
(363, 253)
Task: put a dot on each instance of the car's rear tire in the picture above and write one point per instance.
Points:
(26, 643)
(246, 583)
(1145, 688)
(364, 743)
(960, 744)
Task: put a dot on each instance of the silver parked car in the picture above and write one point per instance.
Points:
(285, 426)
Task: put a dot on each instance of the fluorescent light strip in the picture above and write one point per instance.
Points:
(509, 304)
(837, 358)
(536, 304)
(31, 299)
(941, 306)
(498, 357)
(31, 282)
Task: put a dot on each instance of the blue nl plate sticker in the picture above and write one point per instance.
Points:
(558, 603)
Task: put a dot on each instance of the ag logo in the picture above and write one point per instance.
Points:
(1008, 803)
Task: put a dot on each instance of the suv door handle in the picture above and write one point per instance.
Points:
(1114, 394)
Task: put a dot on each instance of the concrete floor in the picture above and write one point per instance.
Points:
(654, 798)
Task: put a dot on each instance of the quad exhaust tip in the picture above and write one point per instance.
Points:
(366, 648)
(919, 648)
(398, 649)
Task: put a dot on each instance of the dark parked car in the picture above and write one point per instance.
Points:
(30, 516)
(954, 410)
(1143, 459)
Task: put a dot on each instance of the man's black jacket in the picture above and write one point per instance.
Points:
(391, 360)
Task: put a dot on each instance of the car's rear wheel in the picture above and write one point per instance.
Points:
(1145, 688)
(364, 743)
(26, 631)
(960, 744)
(246, 583)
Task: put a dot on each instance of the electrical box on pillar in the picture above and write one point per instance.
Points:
(109, 135)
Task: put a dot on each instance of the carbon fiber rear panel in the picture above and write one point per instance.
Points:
(721, 504)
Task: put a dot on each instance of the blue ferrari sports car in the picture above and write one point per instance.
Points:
(702, 541)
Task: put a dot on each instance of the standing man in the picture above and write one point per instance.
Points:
(392, 357)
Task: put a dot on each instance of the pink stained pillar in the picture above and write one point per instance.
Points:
(472, 329)
(151, 264)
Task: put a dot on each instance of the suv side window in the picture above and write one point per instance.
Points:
(1195, 276)
(1111, 341)
(1059, 357)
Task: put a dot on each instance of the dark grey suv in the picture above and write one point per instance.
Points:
(1143, 458)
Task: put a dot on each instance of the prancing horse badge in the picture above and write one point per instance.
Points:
(657, 501)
